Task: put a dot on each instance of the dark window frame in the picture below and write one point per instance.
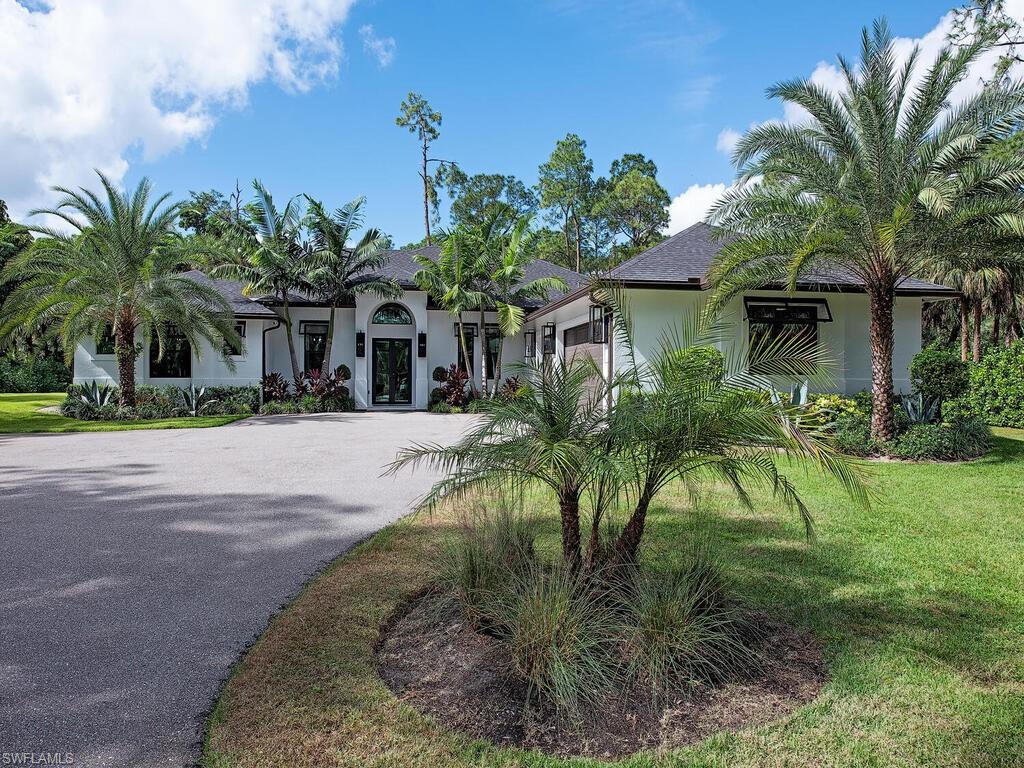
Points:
(576, 335)
(780, 318)
(313, 338)
(392, 305)
(492, 332)
(106, 344)
(229, 349)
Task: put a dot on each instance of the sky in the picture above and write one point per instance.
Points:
(303, 94)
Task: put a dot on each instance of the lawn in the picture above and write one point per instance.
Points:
(919, 602)
(20, 413)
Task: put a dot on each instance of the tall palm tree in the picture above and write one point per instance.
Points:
(881, 177)
(341, 271)
(122, 266)
(451, 282)
(509, 288)
(271, 258)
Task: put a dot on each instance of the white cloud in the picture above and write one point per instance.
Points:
(696, 94)
(381, 48)
(82, 85)
(727, 141)
(692, 206)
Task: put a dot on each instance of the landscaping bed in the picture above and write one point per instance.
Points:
(435, 662)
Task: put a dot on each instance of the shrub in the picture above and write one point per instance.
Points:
(558, 634)
(956, 441)
(852, 435)
(997, 387)
(512, 388)
(436, 396)
(454, 386)
(441, 407)
(276, 407)
(275, 387)
(439, 375)
(681, 625)
(33, 373)
(938, 375)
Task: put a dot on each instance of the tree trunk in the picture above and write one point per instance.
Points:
(291, 341)
(426, 195)
(883, 426)
(965, 330)
(465, 354)
(976, 350)
(565, 233)
(497, 363)
(996, 317)
(627, 548)
(483, 351)
(325, 367)
(576, 223)
(124, 351)
(569, 508)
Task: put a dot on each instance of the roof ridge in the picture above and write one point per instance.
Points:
(640, 257)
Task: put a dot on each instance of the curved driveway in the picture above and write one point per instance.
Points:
(138, 565)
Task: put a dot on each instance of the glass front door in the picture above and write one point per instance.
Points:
(392, 371)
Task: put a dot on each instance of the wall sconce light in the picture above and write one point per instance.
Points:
(597, 327)
(421, 344)
(360, 344)
(548, 338)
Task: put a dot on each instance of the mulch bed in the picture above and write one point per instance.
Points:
(435, 662)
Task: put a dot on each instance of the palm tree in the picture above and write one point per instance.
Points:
(123, 267)
(450, 281)
(271, 259)
(342, 271)
(880, 178)
(509, 289)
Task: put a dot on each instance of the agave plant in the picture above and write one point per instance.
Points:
(919, 409)
(196, 400)
(94, 394)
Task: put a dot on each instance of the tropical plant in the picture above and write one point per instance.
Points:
(195, 401)
(96, 394)
(879, 178)
(341, 271)
(450, 281)
(508, 289)
(453, 386)
(271, 259)
(920, 409)
(938, 375)
(122, 267)
(275, 387)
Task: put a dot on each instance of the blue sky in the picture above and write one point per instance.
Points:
(662, 78)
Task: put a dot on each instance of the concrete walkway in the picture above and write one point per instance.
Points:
(138, 565)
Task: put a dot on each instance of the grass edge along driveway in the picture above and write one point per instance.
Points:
(919, 602)
(20, 413)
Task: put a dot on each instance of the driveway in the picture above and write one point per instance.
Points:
(138, 565)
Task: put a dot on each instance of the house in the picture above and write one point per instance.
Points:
(393, 346)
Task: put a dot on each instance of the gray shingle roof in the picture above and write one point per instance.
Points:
(231, 290)
(685, 258)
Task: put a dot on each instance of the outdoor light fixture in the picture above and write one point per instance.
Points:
(421, 344)
(531, 344)
(547, 332)
(360, 344)
(597, 330)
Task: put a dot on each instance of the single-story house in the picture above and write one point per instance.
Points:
(393, 346)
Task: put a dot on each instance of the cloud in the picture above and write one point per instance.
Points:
(381, 48)
(696, 94)
(692, 205)
(727, 141)
(86, 85)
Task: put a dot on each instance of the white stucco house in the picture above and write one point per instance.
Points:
(392, 347)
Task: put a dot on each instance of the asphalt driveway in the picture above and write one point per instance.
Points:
(137, 565)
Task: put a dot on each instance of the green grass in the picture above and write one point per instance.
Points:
(20, 413)
(919, 602)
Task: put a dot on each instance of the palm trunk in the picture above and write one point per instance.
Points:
(569, 509)
(465, 354)
(497, 363)
(965, 330)
(976, 350)
(883, 426)
(426, 195)
(483, 351)
(124, 351)
(291, 342)
(627, 548)
(325, 367)
(996, 317)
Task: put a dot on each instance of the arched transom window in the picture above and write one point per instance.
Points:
(392, 314)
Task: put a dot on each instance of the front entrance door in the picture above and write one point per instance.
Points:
(392, 371)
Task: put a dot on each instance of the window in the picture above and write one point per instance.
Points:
(314, 345)
(781, 321)
(578, 334)
(469, 347)
(230, 350)
(493, 336)
(392, 314)
(105, 343)
(176, 362)
(530, 337)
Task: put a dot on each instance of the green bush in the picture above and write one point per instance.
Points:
(956, 441)
(938, 375)
(682, 625)
(852, 435)
(997, 387)
(30, 373)
(277, 407)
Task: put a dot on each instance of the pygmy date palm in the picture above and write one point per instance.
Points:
(881, 177)
(122, 266)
